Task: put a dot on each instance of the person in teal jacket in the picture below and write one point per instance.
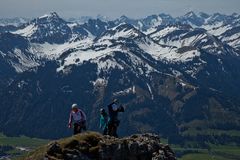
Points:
(104, 121)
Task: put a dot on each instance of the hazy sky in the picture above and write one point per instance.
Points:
(113, 8)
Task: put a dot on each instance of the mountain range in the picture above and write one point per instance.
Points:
(178, 77)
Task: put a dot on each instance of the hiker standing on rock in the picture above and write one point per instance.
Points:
(114, 122)
(104, 121)
(78, 118)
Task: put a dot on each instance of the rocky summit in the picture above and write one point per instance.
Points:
(93, 146)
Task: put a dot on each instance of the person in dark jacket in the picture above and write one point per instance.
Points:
(114, 108)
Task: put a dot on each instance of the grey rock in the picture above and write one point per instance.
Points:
(136, 147)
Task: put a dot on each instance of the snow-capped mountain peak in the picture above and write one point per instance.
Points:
(48, 28)
(52, 15)
(190, 14)
(192, 19)
(123, 18)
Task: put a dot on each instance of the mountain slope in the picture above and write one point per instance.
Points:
(173, 75)
(15, 53)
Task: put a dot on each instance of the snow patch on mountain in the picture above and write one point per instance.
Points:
(233, 40)
(106, 65)
(181, 41)
(156, 22)
(72, 25)
(121, 31)
(2, 54)
(130, 90)
(44, 16)
(28, 31)
(217, 31)
(23, 62)
(150, 91)
(53, 51)
(100, 82)
(168, 53)
(163, 32)
(80, 56)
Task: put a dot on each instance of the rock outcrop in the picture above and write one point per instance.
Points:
(94, 146)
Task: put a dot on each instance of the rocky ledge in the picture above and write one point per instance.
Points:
(94, 146)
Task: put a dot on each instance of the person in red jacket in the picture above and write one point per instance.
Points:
(78, 118)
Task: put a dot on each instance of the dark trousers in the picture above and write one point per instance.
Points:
(78, 127)
(105, 130)
(112, 128)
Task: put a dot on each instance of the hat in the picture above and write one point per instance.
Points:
(102, 110)
(115, 100)
(74, 106)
